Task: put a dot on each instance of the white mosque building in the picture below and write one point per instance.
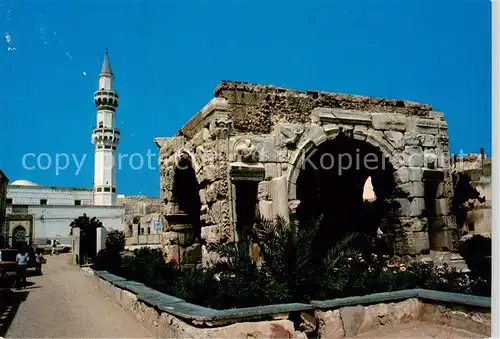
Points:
(38, 213)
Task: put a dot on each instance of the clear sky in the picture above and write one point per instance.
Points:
(168, 56)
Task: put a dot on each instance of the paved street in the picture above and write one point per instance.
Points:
(63, 303)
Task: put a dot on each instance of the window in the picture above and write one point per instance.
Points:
(149, 230)
(19, 208)
(78, 202)
(43, 201)
(113, 190)
(142, 230)
(107, 189)
(8, 201)
(99, 189)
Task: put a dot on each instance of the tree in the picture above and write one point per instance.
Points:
(115, 241)
(109, 258)
(88, 236)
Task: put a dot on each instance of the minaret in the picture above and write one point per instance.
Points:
(105, 137)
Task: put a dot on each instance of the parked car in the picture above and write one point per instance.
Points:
(8, 262)
(61, 248)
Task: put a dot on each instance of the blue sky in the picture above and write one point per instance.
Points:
(168, 56)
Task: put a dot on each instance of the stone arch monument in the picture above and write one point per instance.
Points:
(256, 148)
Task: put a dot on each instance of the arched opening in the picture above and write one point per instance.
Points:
(18, 236)
(331, 184)
(186, 192)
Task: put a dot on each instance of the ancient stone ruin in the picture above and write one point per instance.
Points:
(274, 151)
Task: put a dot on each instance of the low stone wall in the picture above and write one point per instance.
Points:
(170, 317)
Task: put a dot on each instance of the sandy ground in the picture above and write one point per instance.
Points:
(63, 303)
(419, 330)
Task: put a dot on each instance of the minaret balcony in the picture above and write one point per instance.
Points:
(106, 99)
(106, 136)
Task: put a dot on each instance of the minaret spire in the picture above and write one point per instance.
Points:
(106, 64)
(105, 137)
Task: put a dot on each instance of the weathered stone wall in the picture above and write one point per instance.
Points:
(261, 133)
(478, 168)
(323, 322)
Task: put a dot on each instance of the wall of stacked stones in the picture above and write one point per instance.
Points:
(263, 133)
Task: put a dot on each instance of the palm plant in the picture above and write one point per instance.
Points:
(289, 259)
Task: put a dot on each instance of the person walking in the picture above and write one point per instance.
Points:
(39, 261)
(54, 246)
(22, 259)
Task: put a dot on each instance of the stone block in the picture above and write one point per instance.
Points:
(418, 242)
(442, 240)
(209, 173)
(331, 130)
(430, 159)
(210, 234)
(360, 132)
(443, 160)
(266, 209)
(393, 122)
(210, 194)
(414, 224)
(404, 208)
(352, 318)
(330, 324)
(413, 189)
(413, 156)
(203, 196)
(288, 134)
(219, 212)
(375, 316)
(406, 311)
(169, 238)
(395, 139)
(273, 170)
(336, 115)
(427, 140)
(443, 206)
(417, 207)
(402, 175)
(415, 173)
(263, 190)
(266, 149)
(411, 139)
(279, 195)
(316, 134)
(444, 189)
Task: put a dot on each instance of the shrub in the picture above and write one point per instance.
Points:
(477, 254)
(115, 241)
(291, 271)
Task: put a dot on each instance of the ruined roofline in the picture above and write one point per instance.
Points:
(241, 86)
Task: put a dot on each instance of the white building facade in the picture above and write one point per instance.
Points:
(39, 213)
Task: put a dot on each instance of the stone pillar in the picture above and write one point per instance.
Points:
(442, 223)
(279, 196)
(101, 233)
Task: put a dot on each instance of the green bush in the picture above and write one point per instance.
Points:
(115, 241)
(291, 271)
(477, 254)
